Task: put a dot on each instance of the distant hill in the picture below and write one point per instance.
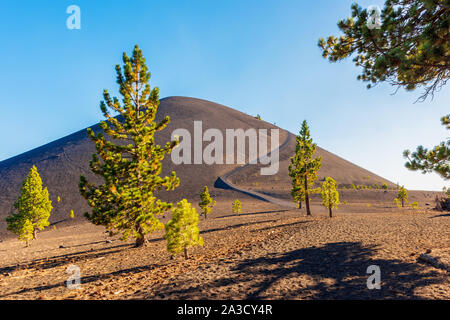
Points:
(61, 162)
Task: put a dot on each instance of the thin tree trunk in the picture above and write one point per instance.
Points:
(186, 253)
(402, 203)
(299, 204)
(34, 234)
(331, 213)
(308, 210)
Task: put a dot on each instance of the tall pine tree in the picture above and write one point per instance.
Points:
(304, 168)
(129, 161)
(33, 208)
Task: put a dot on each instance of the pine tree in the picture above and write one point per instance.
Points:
(330, 194)
(237, 207)
(206, 202)
(436, 159)
(304, 168)
(33, 208)
(182, 231)
(129, 161)
(409, 48)
(402, 196)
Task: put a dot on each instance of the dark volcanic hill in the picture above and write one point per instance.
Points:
(61, 162)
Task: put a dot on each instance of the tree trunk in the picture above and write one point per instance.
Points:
(331, 213)
(308, 210)
(403, 204)
(299, 204)
(186, 253)
(34, 234)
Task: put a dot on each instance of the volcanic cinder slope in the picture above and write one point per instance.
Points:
(61, 162)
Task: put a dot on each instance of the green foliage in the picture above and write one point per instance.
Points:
(415, 205)
(398, 203)
(237, 207)
(304, 168)
(384, 186)
(72, 214)
(353, 186)
(130, 161)
(33, 208)
(409, 50)
(330, 194)
(182, 231)
(258, 117)
(206, 202)
(402, 196)
(434, 160)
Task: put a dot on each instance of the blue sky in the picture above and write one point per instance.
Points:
(260, 57)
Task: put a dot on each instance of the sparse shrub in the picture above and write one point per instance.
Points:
(353, 186)
(33, 208)
(345, 202)
(258, 117)
(182, 231)
(330, 194)
(415, 205)
(72, 214)
(398, 203)
(368, 205)
(237, 206)
(206, 202)
(384, 186)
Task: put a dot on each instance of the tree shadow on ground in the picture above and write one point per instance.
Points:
(441, 215)
(63, 259)
(332, 271)
(251, 213)
(84, 280)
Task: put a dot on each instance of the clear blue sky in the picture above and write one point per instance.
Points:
(260, 57)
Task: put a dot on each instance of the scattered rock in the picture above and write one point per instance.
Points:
(61, 247)
(428, 251)
(108, 241)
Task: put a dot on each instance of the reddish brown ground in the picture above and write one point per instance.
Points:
(266, 252)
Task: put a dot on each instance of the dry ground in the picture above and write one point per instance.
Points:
(266, 252)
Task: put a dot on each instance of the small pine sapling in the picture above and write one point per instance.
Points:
(237, 207)
(206, 202)
(330, 194)
(182, 231)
